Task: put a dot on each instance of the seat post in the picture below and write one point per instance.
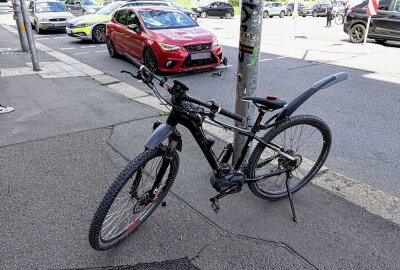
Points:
(256, 126)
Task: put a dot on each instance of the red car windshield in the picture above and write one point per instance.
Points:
(166, 19)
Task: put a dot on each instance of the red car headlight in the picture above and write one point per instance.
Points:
(215, 42)
(169, 47)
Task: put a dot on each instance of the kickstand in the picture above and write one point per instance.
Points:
(288, 176)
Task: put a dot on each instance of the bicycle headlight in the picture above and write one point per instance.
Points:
(169, 47)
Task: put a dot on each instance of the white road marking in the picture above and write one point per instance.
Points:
(81, 53)
(100, 51)
(59, 37)
(90, 46)
(42, 38)
(103, 45)
(65, 49)
(266, 59)
(281, 57)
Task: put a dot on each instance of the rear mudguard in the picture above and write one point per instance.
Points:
(162, 132)
(290, 108)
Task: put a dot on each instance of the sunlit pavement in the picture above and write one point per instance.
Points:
(308, 38)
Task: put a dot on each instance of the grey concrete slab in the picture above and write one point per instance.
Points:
(15, 58)
(51, 188)
(332, 233)
(49, 107)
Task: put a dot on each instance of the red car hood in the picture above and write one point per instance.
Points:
(183, 36)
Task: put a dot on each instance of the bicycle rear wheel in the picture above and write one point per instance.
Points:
(339, 19)
(305, 137)
(129, 202)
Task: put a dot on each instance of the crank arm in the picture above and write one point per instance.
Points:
(214, 200)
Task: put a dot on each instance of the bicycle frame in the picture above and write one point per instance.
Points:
(193, 123)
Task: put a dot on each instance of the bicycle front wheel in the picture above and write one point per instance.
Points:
(307, 138)
(131, 199)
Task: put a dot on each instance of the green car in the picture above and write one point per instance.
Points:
(93, 26)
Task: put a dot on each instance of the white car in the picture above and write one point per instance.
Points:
(274, 9)
(48, 15)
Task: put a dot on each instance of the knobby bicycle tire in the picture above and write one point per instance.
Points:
(273, 188)
(136, 171)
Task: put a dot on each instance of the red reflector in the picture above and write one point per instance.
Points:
(271, 97)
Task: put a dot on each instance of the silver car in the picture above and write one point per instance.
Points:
(82, 7)
(274, 9)
(48, 15)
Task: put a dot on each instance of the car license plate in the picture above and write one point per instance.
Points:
(69, 31)
(197, 56)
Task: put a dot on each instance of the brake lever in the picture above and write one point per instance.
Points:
(137, 76)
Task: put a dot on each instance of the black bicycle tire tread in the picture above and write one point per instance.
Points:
(115, 188)
(272, 134)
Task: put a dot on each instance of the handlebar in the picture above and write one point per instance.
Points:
(148, 76)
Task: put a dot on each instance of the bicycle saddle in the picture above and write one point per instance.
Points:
(268, 103)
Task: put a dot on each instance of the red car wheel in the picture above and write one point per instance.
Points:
(149, 59)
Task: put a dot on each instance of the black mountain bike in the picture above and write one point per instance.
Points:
(285, 159)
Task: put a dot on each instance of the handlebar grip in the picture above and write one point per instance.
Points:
(232, 115)
(133, 60)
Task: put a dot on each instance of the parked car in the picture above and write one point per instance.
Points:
(82, 7)
(217, 9)
(48, 15)
(383, 27)
(190, 13)
(290, 8)
(274, 9)
(93, 26)
(164, 39)
(316, 10)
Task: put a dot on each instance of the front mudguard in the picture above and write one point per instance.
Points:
(162, 132)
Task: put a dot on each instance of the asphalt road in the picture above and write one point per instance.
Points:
(362, 113)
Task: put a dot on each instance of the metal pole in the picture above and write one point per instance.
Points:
(295, 14)
(366, 30)
(20, 26)
(29, 35)
(247, 73)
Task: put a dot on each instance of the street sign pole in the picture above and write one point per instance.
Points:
(29, 35)
(247, 72)
(295, 14)
(20, 26)
(372, 9)
(366, 30)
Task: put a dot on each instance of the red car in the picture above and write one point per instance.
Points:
(165, 39)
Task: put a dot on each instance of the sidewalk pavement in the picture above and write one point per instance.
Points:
(69, 137)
